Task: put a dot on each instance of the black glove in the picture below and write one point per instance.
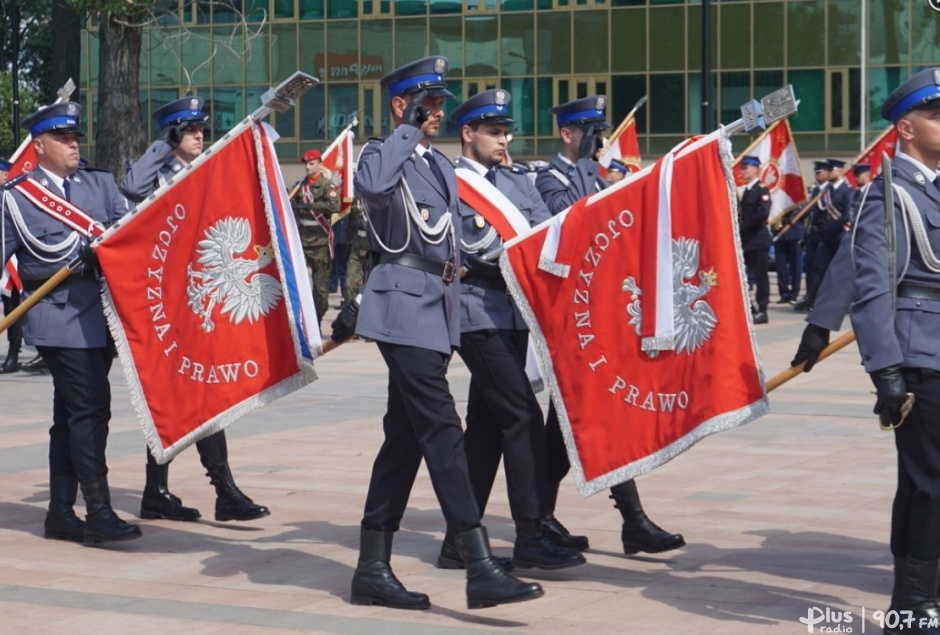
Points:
(814, 340)
(891, 391)
(478, 268)
(344, 326)
(590, 144)
(172, 135)
(87, 255)
(415, 113)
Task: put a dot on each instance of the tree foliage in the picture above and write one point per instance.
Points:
(28, 103)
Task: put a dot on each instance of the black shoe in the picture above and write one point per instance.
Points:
(784, 301)
(559, 534)
(61, 521)
(914, 597)
(231, 503)
(642, 534)
(101, 523)
(760, 318)
(374, 583)
(534, 548)
(35, 365)
(449, 557)
(487, 583)
(803, 305)
(157, 501)
(12, 362)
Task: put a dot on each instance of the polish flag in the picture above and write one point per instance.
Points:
(338, 158)
(780, 168)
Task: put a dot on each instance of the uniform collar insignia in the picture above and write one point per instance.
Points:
(919, 177)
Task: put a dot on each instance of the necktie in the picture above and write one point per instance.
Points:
(67, 188)
(491, 175)
(436, 169)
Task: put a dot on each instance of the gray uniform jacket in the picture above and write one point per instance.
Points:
(403, 305)
(156, 166)
(583, 180)
(71, 316)
(836, 291)
(912, 337)
(483, 307)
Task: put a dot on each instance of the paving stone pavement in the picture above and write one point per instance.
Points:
(784, 517)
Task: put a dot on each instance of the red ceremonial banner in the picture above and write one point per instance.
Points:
(197, 301)
(624, 410)
(887, 142)
(338, 159)
(625, 148)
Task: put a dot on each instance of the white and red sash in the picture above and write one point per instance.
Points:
(59, 208)
(474, 190)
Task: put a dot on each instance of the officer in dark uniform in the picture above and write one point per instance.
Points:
(573, 174)
(788, 258)
(898, 326)
(11, 300)
(754, 210)
(832, 221)
(68, 326)
(182, 122)
(814, 221)
(411, 307)
(503, 415)
(862, 173)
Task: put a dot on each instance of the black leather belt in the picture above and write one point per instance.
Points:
(84, 273)
(497, 284)
(444, 270)
(918, 291)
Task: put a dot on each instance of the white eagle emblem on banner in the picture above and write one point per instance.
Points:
(227, 279)
(694, 319)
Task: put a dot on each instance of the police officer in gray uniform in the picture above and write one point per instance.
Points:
(410, 306)
(571, 175)
(503, 414)
(897, 323)
(68, 326)
(182, 122)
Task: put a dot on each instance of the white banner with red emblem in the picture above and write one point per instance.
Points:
(780, 169)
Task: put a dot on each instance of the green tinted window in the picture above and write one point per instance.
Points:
(376, 49)
(667, 48)
(590, 38)
(517, 36)
(628, 45)
(310, 111)
(844, 41)
(889, 36)
(311, 9)
(667, 103)
(447, 40)
(310, 50)
(925, 36)
(446, 6)
(735, 29)
(227, 110)
(806, 33)
(522, 106)
(343, 8)
(625, 90)
(283, 8)
(342, 51)
(768, 36)
(554, 43)
(543, 86)
(809, 87)
(411, 40)
(881, 81)
(735, 91)
(257, 58)
(482, 45)
(283, 51)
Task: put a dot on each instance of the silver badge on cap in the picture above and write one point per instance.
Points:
(440, 65)
(72, 110)
(499, 98)
(600, 103)
(425, 213)
(194, 103)
(479, 221)
(919, 178)
(936, 71)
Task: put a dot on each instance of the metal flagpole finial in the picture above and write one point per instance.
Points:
(66, 91)
(281, 97)
(756, 116)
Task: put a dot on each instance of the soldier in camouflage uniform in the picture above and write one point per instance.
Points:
(314, 202)
(357, 234)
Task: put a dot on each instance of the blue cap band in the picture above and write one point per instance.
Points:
(914, 99)
(402, 85)
(479, 113)
(5, 165)
(51, 123)
(568, 117)
(191, 115)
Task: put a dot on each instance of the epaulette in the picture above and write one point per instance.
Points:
(92, 168)
(12, 182)
(515, 168)
(379, 139)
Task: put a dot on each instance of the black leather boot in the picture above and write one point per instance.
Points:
(534, 548)
(374, 583)
(101, 523)
(557, 532)
(915, 590)
(487, 583)
(12, 363)
(639, 533)
(158, 501)
(61, 521)
(230, 502)
(449, 557)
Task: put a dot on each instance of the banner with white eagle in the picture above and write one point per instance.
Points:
(637, 303)
(207, 294)
(780, 169)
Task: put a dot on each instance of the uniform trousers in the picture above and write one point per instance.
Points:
(756, 261)
(789, 264)
(915, 517)
(822, 258)
(81, 410)
(213, 450)
(503, 418)
(421, 420)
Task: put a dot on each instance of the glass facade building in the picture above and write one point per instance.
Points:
(544, 52)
